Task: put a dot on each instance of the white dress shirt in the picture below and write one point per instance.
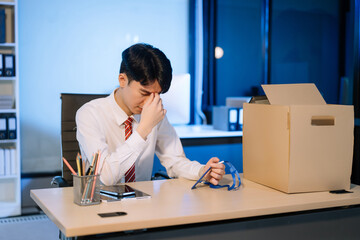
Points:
(100, 126)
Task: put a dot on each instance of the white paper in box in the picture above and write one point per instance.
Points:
(298, 143)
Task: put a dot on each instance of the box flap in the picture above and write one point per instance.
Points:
(293, 94)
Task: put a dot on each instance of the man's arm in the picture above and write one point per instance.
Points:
(91, 137)
(171, 155)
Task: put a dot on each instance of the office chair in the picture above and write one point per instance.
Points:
(70, 103)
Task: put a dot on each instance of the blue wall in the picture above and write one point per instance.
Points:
(238, 33)
(75, 47)
(303, 46)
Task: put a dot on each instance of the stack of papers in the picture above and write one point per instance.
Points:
(6, 101)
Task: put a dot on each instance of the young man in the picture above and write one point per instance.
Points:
(130, 125)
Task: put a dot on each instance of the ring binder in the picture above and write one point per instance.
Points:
(1, 65)
(9, 65)
(12, 127)
(2, 26)
(3, 127)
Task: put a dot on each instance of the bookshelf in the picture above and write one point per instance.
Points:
(10, 186)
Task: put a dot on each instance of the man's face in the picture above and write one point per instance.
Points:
(134, 95)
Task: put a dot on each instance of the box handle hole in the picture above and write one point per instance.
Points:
(322, 121)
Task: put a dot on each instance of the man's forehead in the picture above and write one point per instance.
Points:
(151, 88)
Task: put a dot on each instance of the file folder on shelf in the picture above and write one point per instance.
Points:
(1, 65)
(8, 126)
(240, 119)
(9, 65)
(225, 118)
(3, 127)
(11, 126)
(238, 102)
(7, 162)
(2, 26)
(12, 161)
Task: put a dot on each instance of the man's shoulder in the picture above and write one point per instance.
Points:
(94, 105)
(98, 102)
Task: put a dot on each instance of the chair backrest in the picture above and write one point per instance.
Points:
(70, 103)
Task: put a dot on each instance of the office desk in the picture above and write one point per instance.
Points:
(192, 135)
(173, 203)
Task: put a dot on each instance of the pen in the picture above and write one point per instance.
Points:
(83, 166)
(209, 170)
(95, 173)
(88, 172)
(198, 181)
(68, 165)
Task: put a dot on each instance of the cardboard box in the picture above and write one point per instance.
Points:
(298, 143)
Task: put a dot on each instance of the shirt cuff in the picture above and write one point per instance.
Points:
(201, 170)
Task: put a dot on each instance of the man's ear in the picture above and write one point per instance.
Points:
(123, 80)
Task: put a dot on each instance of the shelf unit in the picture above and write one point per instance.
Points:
(10, 186)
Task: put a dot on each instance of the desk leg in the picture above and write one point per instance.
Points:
(63, 237)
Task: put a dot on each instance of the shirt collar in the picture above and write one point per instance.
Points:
(119, 114)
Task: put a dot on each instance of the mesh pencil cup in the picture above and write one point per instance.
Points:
(86, 189)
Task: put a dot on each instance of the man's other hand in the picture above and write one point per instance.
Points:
(217, 171)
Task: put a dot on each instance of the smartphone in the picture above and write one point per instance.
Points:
(112, 214)
(119, 191)
(117, 194)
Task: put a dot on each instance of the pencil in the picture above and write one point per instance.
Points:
(95, 173)
(68, 165)
(88, 172)
(78, 164)
(97, 163)
(82, 166)
(85, 191)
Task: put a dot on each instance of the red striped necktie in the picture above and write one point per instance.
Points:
(130, 174)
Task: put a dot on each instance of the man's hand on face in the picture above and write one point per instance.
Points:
(152, 113)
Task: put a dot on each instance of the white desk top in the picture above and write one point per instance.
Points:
(203, 131)
(174, 203)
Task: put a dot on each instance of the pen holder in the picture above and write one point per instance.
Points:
(86, 190)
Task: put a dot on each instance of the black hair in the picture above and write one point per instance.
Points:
(146, 64)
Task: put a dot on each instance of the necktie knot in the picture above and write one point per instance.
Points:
(128, 121)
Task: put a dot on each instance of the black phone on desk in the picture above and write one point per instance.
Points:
(118, 191)
(112, 214)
